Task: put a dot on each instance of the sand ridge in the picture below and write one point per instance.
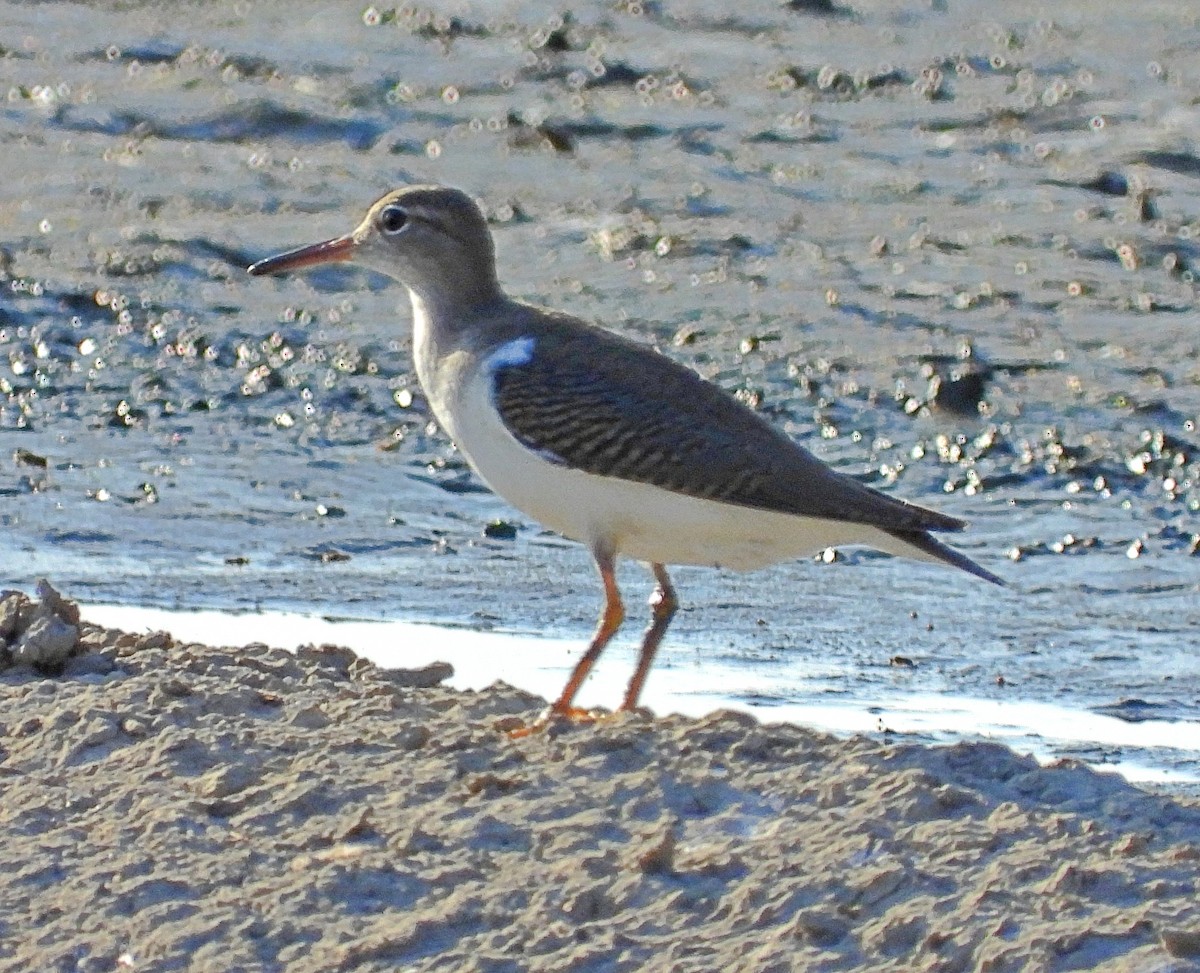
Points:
(173, 806)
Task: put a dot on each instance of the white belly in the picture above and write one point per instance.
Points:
(635, 519)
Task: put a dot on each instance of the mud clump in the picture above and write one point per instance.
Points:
(42, 634)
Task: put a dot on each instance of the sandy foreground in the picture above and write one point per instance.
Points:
(169, 806)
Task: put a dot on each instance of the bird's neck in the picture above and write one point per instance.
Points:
(448, 321)
(457, 303)
(448, 315)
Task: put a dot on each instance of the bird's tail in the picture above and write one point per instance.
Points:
(923, 545)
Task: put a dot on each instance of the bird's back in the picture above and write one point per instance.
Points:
(595, 401)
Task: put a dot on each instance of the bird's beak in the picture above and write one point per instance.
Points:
(339, 249)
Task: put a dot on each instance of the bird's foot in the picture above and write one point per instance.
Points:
(554, 715)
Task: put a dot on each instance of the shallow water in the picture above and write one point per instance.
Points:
(823, 213)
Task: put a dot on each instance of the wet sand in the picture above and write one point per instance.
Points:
(173, 806)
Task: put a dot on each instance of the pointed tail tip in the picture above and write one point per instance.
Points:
(984, 573)
(931, 549)
(948, 555)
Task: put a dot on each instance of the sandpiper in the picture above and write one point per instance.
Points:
(603, 439)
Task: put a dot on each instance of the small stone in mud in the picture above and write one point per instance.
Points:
(1108, 183)
(11, 603)
(960, 392)
(48, 642)
(523, 136)
(54, 603)
(23, 457)
(500, 530)
(657, 857)
(43, 635)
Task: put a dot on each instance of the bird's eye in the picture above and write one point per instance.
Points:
(393, 219)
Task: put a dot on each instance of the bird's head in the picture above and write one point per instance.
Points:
(433, 239)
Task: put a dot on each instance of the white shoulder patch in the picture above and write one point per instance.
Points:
(519, 351)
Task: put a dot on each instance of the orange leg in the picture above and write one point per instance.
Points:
(663, 605)
(610, 621)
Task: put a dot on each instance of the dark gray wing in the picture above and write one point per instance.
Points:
(596, 402)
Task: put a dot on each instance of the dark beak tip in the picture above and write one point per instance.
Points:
(331, 251)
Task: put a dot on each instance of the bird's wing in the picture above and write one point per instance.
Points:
(599, 403)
